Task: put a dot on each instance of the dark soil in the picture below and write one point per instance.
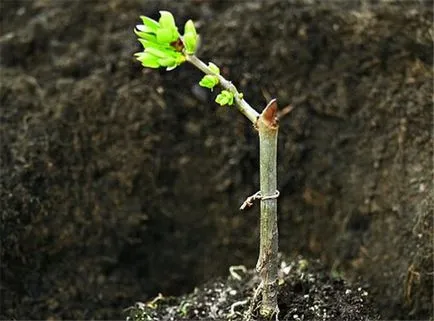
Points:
(119, 183)
(306, 292)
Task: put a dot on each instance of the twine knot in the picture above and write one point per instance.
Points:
(257, 196)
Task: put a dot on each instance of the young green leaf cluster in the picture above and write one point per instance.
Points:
(165, 47)
(209, 81)
(162, 43)
(225, 98)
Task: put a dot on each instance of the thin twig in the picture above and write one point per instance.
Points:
(241, 104)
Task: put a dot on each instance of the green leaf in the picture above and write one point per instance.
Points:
(144, 35)
(148, 44)
(147, 59)
(190, 37)
(221, 100)
(168, 61)
(209, 81)
(214, 68)
(166, 20)
(164, 36)
(179, 59)
(225, 98)
(153, 43)
(150, 23)
(231, 100)
(190, 42)
(189, 28)
(160, 52)
(169, 68)
(144, 28)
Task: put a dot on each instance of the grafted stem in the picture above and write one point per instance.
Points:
(267, 126)
(268, 261)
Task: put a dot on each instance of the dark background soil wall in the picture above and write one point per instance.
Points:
(118, 183)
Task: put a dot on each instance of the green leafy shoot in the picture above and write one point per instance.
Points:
(162, 44)
(225, 98)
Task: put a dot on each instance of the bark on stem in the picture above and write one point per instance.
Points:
(267, 263)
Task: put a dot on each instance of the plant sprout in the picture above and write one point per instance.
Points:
(165, 47)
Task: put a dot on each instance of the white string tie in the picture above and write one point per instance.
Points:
(257, 196)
